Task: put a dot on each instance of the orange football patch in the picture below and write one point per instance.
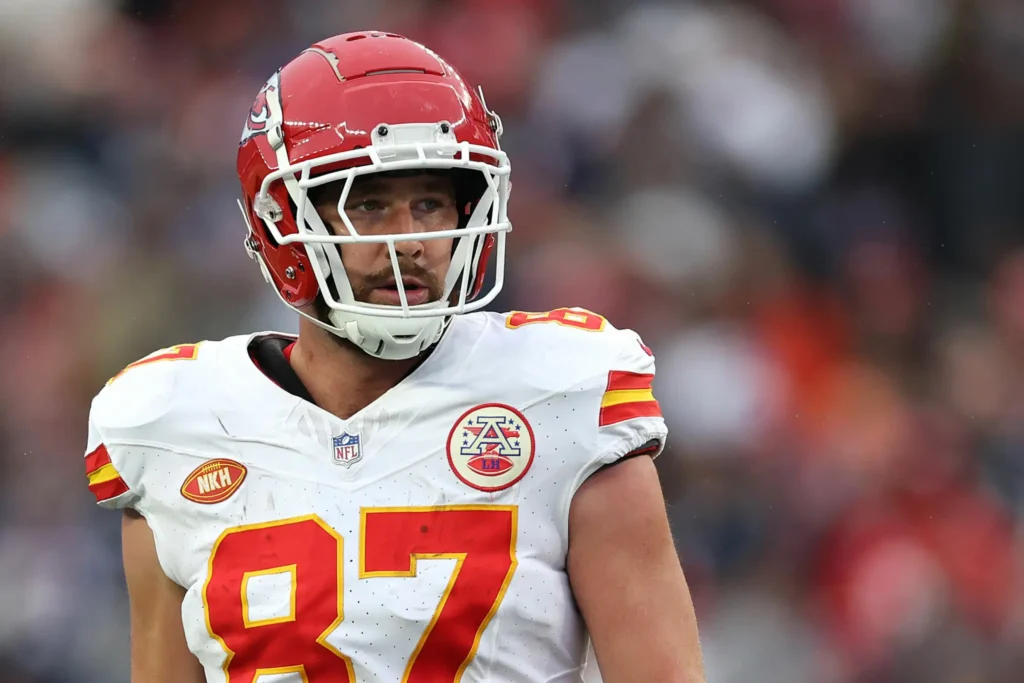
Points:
(214, 481)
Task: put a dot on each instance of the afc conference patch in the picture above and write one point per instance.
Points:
(347, 451)
(491, 447)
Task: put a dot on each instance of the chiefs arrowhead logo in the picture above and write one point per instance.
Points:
(259, 114)
(214, 481)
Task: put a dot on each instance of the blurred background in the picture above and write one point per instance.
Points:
(812, 210)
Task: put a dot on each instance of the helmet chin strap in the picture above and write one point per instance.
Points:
(387, 341)
(376, 345)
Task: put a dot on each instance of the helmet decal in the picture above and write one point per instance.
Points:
(259, 115)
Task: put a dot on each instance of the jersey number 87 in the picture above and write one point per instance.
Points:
(481, 538)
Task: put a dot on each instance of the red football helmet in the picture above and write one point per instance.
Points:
(356, 104)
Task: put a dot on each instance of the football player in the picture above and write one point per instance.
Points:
(411, 489)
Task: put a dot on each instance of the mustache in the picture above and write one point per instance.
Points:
(386, 276)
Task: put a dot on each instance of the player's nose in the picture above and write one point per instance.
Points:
(404, 223)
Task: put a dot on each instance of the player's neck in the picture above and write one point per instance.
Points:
(342, 379)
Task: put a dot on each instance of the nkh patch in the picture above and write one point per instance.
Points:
(214, 481)
(347, 450)
(491, 447)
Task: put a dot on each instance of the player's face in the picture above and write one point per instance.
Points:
(412, 206)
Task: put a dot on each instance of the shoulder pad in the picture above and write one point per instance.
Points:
(143, 392)
(571, 347)
(142, 406)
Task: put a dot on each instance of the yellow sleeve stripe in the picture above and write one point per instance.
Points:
(614, 398)
(103, 474)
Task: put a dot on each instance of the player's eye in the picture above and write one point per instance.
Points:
(432, 204)
(365, 206)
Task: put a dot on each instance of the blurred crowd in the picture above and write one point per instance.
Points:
(812, 210)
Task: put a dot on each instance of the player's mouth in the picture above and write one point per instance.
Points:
(416, 293)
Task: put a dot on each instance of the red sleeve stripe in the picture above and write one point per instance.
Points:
(628, 396)
(621, 412)
(619, 380)
(105, 481)
(97, 459)
(108, 489)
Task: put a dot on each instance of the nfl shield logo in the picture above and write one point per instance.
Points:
(346, 450)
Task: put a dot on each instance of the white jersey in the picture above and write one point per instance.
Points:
(424, 539)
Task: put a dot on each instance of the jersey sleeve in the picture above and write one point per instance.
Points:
(627, 415)
(128, 416)
(103, 468)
